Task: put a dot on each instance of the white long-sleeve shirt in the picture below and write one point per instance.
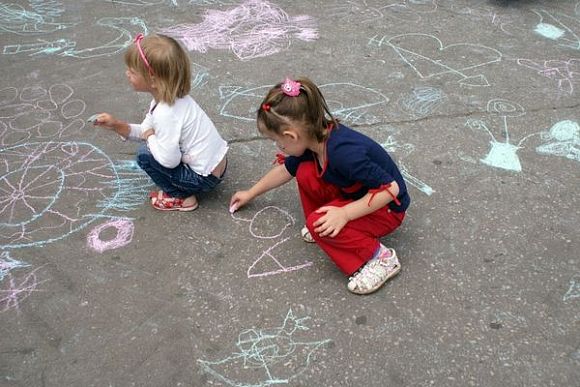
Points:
(183, 133)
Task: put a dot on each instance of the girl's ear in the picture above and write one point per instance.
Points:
(290, 134)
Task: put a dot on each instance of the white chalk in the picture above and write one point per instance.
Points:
(93, 119)
(233, 208)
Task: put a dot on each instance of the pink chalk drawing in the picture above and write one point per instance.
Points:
(7, 263)
(124, 234)
(253, 29)
(17, 290)
(263, 226)
(561, 71)
(37, 112)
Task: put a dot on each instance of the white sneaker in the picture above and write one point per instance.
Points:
(375, 273)
(306, 235)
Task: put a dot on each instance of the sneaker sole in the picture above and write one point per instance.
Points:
(380, 284)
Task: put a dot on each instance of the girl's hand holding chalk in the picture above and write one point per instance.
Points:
(94, 119)
(233, 207)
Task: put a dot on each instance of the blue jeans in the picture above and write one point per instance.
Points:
(179, 182)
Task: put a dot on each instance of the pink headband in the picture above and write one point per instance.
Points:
(138, 40)
(291, 88)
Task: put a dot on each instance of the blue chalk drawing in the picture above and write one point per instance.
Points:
(422, 101)
(574, 289)
(7, 264)
(49, 190)
(559, 27)
(392, 146)
(356, 104)
(563, 139)
(42, 47)
(502, 154)
(361, 12)
(429, 57)
(17, 20)
(265, 357)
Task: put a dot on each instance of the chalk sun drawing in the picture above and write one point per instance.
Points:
(559, 27)
(267, 263)
(502, 154)
(253, 29)
(53, 189)
(267, 356)
(392, 146)
(38, 113)
(429, 57)
(561, 71)
(563, 140)
(352, 103)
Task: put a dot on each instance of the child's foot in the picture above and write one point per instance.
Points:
(306, 235)
(375, 272)
(164, 202)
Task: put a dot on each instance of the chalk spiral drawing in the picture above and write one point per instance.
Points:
(38, 113)
(574, 289)
(123, 235)
(356, 104)
(558, 27)
(561, 71)
(266, 356)
(123, 29)
(361, 12)
(429, 57)
(253, 29)
(502, 154)
(53, 189)
(267, 264)
(563, 139)
(422, 101)
(392, 146)
(16, 289)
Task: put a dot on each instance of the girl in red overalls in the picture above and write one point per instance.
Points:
(351, 191)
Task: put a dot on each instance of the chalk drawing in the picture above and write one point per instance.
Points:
(253, 29)
(574, 289)
(17, 20)
(266, 356)
(429, 57)
(138, 2)
(267, 264)
(356, 104)
(123, 228)
(362, 12)
(199, 76)
(50, 190)
(38, 113)
(392, 146)
(558, 27)
(16, 289)
(561, 71)
(563, 140)
(502, 154)
(7, 263)
(118, 30)
(422, 101)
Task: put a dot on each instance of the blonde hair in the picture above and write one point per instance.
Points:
(169, 64)
(308, 109)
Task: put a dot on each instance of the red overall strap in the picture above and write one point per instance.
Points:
(384, 187)
(280, 158)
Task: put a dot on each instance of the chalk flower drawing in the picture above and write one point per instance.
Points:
(267, 356)
(563, 140)
(53, 189)
(429, 57)
(352, 103)
(253, 29)
(502, 154)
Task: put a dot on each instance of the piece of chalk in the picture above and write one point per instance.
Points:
(233, 208)
(93, 119)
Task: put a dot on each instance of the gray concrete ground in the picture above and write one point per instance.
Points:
(477, 101)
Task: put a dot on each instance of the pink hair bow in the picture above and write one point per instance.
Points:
(291, 88)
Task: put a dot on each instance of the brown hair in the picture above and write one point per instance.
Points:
(308, 109)
(169, 63)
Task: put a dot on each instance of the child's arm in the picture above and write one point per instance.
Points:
(109, 122)
(336, 217)
(276, 177)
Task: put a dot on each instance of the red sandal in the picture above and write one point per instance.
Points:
(168, 203)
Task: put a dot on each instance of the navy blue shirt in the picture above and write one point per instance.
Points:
(356, 164)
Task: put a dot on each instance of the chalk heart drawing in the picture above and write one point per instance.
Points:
(38, 113)
(563, 140)
(50, 190)
(350, 102)
(267, 356)
(253, 29)
(429, 57)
